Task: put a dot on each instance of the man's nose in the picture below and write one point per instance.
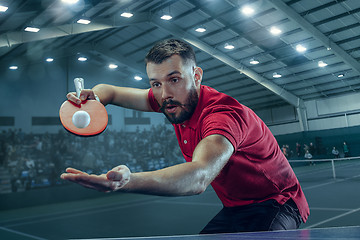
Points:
(166, 92)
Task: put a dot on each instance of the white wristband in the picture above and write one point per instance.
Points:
(97, 98)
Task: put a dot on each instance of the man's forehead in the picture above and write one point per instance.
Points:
(173, 60)
(172, 65)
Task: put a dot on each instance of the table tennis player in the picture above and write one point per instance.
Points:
(224, 143)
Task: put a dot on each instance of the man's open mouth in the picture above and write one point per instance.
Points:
(171, 108)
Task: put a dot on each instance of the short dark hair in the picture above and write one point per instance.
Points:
(165, 49)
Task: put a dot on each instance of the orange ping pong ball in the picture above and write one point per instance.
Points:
(81, 119)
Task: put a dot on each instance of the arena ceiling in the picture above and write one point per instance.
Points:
(289, 39)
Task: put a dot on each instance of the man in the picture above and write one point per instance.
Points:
(224, 144)
(335, 152)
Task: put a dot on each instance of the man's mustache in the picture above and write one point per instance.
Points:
(170, 102)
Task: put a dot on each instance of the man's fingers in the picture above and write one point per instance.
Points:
(70, 173)
(83, 177)
(74, 171)
(87, 94)
(84, 95)
(90, 94)
(71, 96)
(96, 182)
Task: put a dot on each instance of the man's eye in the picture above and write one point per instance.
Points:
(174, 79)
(155, 84)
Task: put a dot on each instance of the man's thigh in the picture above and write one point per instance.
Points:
(264, 216)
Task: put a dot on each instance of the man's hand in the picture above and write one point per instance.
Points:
(113, 180)
(84, 95)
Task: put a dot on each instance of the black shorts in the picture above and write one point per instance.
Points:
(265, 216)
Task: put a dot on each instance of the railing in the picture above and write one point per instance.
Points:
(332, 160)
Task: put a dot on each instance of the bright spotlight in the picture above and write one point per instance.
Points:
(276, 75)
(3, 8)
(322, 64)
(166, 17)
(254, 61)
(32, 29)
(113, 66)
(300, 48)
(83, 21)
(127, 14)
(82, 59)
(229, 46)
(138, 78)
(275, 31)
(247, 10)
(70, 1)
(200, 29)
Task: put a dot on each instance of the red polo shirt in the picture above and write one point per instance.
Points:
(257, 171)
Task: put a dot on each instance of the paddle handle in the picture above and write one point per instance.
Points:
(79, 85)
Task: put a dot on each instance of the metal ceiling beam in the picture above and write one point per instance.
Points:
(14, 38)
(126, 61)
(23, 60)
(121, 59)
(287, 96)
(308, 27)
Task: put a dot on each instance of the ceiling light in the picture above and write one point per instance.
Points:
(32, 29)
(275, 31)
(254, 61)
(247, 10)
(13, 67)
(83, 21)
(201, 29)
(113, 66)
(82, 59)
(49, 59)
(166, 17)
(300, 48)
(138, 78)
(341, 75)
(322, 64)
(229, 46)
(276, 75)
(3, 8)
(127, 14)
(70, 1)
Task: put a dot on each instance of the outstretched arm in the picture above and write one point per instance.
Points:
(132, 98)
(210, 156)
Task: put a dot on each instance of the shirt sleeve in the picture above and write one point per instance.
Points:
(153, 103)
(225, 123)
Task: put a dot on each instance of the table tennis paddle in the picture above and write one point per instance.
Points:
(87, 119)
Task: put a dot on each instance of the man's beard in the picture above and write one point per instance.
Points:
(187, 109)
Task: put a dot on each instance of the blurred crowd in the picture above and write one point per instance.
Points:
(29, 161)
(310, 151)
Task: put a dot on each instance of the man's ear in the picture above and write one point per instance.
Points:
(198, 73)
